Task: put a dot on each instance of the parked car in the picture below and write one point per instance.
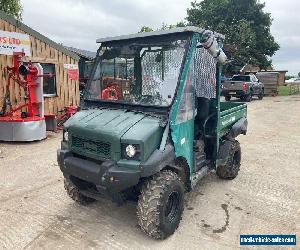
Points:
(293, 80)
(243, 87)
(224, 79)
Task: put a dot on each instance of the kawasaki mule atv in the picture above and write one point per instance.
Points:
(152, 125)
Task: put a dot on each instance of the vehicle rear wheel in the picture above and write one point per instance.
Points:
(74, 193)
(261, 95)
(227, 98)
(248, 98)
(231, 168)
(161, 204)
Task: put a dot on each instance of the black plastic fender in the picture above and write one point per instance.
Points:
(157, 161)
(240, 127)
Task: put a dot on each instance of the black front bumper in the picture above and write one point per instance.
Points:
(107, 176)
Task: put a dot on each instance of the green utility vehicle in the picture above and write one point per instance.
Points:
(152, 127)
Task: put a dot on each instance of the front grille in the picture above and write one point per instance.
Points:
(87, 147)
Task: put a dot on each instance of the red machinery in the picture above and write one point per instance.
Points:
(66, 113)
(24, 122)
(111, 92)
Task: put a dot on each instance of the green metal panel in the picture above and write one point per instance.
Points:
(183, 133)
(96, 133)
(147, 133)
(229, 115)
(218, 105)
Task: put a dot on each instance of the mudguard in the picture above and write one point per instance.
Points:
(240, 127)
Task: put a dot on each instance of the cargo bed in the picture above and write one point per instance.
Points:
(230, 113)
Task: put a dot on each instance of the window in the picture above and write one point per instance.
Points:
(200, 80)
(187, 102)
(49, 83)
(144, 73)
(241, 78)
(254, 79)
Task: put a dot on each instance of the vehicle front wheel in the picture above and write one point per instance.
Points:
(74, 193)
(227, 98)
(161, 204)
(231, 168)
(248, 98)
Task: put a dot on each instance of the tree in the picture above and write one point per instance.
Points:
(12, 8)
(244, 23)
(163, 27)
(145, 29)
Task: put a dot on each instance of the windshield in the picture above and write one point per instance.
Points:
(138, 73)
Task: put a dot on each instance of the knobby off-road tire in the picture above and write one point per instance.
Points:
(74, 193)
(231, 168)
(161, 204)
(242, 98)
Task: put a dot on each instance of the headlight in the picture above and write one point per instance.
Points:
(130, 151)
(66, 136)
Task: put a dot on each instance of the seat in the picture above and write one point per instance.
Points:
(202, 105)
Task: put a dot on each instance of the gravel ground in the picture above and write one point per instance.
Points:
(35, 211)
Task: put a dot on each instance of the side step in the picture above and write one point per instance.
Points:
(199, 175)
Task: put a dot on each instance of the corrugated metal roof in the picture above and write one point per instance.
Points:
(156, 33)
(90, 55)
(37, 35)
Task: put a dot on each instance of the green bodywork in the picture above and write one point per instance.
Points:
(183, 133)
(230, 113)
(99, 133)
(227, 114)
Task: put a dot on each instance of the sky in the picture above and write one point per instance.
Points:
(79, 23)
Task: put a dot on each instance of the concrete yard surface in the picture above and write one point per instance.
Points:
(35, 211)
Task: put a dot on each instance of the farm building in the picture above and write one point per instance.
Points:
(248, 69)
(281, 75)
(270, 81)
(59, 91)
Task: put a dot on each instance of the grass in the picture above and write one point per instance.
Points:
(283, 90)
(288, 90)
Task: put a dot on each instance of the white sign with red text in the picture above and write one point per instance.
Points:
(11, 42)
(72, 71)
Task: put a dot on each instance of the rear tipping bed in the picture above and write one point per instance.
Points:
(230, 113)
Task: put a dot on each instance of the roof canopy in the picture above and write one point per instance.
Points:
(89, 55)
(191, 29)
